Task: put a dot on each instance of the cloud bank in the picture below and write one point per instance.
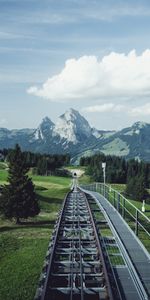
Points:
(142, 110)
(116, 75)
(132, 111)
(107, 107)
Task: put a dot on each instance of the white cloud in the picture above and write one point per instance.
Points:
(143, 110)
(115, 75)
(3, 122)
(134, 111)
(107, 107)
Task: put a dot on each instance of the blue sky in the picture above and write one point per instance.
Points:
(37, 38)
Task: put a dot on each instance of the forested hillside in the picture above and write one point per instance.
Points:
(118, 170)
(41, 164)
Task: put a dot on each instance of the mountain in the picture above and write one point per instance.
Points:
(73, 127)
(8, 138)
(44, 130)
(73, 134)
(131, 142)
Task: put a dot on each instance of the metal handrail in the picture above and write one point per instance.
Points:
(126, 201)
(121, 197)
(125, 255)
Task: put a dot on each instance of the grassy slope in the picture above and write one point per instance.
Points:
(3, 176)
(85, 179)
(121, 188)
(23, 248)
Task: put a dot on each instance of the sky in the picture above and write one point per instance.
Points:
(90, 55)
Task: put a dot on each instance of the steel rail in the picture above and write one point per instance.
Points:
(81, 273)
(100, 252)
(53, 249)
(71, 268)
(76, 238)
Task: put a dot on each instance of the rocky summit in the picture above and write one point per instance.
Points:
(73, 134)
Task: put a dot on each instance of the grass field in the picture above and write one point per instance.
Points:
(23, 247)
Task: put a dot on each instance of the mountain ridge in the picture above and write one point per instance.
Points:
(73, 134)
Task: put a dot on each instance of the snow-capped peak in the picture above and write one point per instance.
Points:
(139, 125)
(44, 130)
(72, 126)
(46, 122)
(135, 128)
(70, 115)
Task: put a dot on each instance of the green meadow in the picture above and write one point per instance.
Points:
(23, 247)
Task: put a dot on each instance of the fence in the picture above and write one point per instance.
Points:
(136, 219)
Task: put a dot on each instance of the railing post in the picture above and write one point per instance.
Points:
(96, 187)
(114, 199)
(136, 222)
(118, 203)
(108, 193)
(123, 208)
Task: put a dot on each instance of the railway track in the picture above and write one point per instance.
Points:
(76, 266)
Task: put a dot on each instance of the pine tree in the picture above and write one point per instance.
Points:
(18, 197)
(42, 166)
(136, 188)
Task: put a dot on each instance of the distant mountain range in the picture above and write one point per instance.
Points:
(73, 134)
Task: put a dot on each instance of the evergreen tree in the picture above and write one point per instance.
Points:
(136, 188)
(18, 197)
(42, 166)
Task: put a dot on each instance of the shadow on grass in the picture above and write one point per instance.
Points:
(36, 223)
(49, 200)
(24, 225)
(40, 188)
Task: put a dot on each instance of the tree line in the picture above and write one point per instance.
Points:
(135, 174)
(41, 164)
